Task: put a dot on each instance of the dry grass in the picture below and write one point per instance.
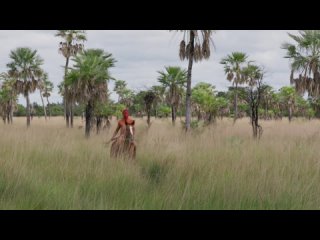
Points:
(50, 167)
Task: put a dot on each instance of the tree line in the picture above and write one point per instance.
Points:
(85, 85)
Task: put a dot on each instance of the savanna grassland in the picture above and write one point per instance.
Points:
(220, 167)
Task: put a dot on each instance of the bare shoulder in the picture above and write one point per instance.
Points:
(131, 121)
(121, 122)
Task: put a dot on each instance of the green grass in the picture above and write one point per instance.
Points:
(219, 167)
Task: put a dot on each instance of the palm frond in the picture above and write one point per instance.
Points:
(182, 50)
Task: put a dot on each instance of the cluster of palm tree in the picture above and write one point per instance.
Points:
(72, 45)
(125, 94)
(240, 71)
(24, 76)
(88, 80)
(173, 81)
(8, 98)
(86, 83)
(208, 104)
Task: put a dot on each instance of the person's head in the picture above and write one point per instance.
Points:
(125, 113)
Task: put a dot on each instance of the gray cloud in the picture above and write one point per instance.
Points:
(140, 54)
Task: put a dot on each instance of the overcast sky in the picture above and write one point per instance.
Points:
(140, 54)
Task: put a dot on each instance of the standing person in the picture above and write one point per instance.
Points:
(124, 145)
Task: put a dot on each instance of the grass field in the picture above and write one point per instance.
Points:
(51, 167)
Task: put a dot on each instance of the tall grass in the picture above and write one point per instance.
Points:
(220, 167)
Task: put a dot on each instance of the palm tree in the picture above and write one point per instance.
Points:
(289, 97)
(24, 68)
(41, 76)
(69, 48)
(304, 57)
(173, 79)
(233, 68)
(89, 78)
(159, 97)
(119, 88)
(198, 48)
(267, 98)
(8, 96)
(253, 75)
(148, 99)
(47, 89)
(127, 97)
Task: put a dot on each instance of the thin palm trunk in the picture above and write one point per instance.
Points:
(71, 114)
(236, 105)
(199, 114)
(98, 123)
(28, 109)
(8, 115)
(188, 93)
(173, 109)
(66, 103)
(89, 110)
(11, 111)
(44, 108)
(148, 117)
(173, 115)
(49, 107)
(254, 115)
(290, 113)
(266, 111)
(11, 116)
(180, 110)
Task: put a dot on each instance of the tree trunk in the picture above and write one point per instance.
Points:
(254, 104)
(44, 108)
(199, 114)
(11, 116)
(98, 124)
(49, 107)
(155, 112)
(148, 119)
(8, 115)
(290, 113)
(11, 111)
(71, 114)
(28, 109)
(253, 116)
(89, 110)
(66, 104)
(188, 93)
(67, 113)
(236, 105)
(173, 115)
(266, 111)
(256, 119)
(210, 118)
